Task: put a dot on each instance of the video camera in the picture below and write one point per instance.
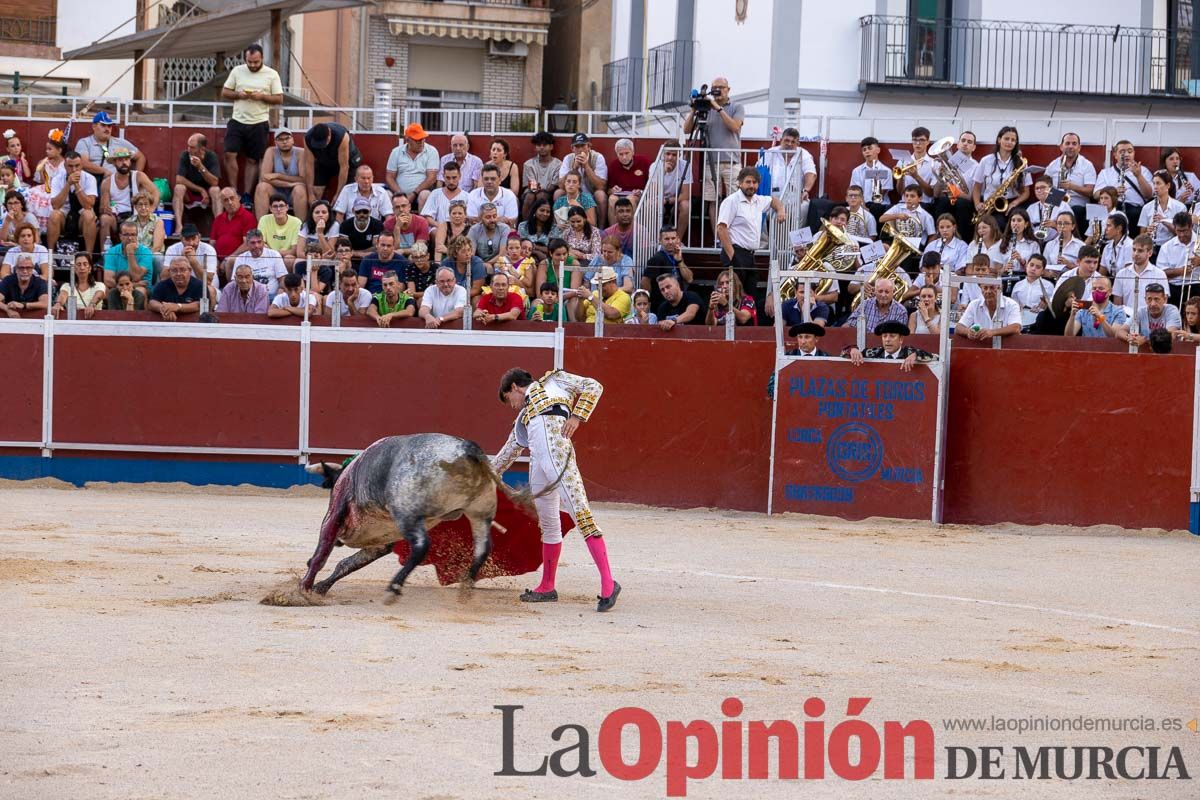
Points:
(699, 100)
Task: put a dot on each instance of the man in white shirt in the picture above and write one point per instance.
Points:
(437, 206)
(444, 303)
(1131, 180)
(1137, 277)
(1076, 174)
(73, 194)
(266, 264)
(1088, 268)
(364, 186)
(991, 315)
(254, 88)
(412, 166)
(1179, 256)
(469, 165)
(912, 209)
(877, 191)
(200, 255)
(785, 161)
(350, 299)
(492, 192)
(739, 225)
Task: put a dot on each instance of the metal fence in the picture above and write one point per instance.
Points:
(669, 73)
(28, 30)
(1023, 57)
(622, 84)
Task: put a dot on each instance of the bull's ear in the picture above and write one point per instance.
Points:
(315, 469)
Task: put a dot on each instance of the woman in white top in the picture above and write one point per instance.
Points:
(987, 240)
(321, 226)
(1063, 253)
(927, 318)
(1185, 182)
(89, 293)
(953, 250)
(1157, 214)
(996, 168)
(1118, 249)
(1019, 244)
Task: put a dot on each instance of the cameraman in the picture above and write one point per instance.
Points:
(722, 122)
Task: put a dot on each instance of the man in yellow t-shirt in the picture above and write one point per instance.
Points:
(616, 305)
(280, 229)
(254, 88)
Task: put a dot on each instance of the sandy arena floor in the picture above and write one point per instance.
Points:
(136, 662)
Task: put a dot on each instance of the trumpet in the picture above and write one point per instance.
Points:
(1122, 166)
(877, 192)
(1063, 171)
(1094, 232)
(997, 201)
(899, 172)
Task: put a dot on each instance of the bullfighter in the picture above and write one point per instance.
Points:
(551, 409)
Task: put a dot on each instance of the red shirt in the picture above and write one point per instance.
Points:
(512, 301)
(418, 230)
(629, 178)
(228, 234)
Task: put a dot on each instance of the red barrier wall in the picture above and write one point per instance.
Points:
(21, 389)
(176, 391)
(681, 423)
(1072, 438)
(362, 392)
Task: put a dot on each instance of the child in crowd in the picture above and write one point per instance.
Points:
(545, 309)
(642, 315)
(15, 153)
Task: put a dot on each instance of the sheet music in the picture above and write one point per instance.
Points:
(900, 155)
(1095, 211)
(873, 251)
(801, 236)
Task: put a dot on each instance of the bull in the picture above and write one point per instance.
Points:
(401, 487)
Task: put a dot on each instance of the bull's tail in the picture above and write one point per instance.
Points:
(339, 509)
(523, 497)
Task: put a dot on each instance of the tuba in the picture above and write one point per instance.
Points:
(831, 239)
(889, 265)
(997, 201)
(948, 174)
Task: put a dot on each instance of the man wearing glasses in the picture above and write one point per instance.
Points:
(23, 291)
(723, 131)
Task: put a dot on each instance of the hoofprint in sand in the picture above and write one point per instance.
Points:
(137, 661)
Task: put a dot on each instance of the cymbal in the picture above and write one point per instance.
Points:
(1071, 286)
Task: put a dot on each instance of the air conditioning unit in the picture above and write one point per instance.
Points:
(503, 47)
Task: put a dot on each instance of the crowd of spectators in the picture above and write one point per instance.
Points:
(302, 225)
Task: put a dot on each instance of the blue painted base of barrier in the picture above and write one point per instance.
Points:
(79, 471)
(1194, 526)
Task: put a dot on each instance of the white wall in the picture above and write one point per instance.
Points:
(79, 25)
(739, 52)
(660, 22)
(620, 30)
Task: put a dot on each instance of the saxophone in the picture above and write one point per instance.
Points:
(997, 201)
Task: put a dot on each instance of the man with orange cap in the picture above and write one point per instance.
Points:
(412, 166)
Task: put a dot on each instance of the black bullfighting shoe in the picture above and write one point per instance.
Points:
(606, 603)
(530, 596)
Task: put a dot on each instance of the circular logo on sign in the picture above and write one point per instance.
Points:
(854, 452)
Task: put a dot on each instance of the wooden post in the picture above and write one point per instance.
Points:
(139, 77)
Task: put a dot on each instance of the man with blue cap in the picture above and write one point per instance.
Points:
(95, 151)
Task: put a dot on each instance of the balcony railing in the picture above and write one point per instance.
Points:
(26, 30)
(622, 84)
(669, 73)
(1026, 57)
